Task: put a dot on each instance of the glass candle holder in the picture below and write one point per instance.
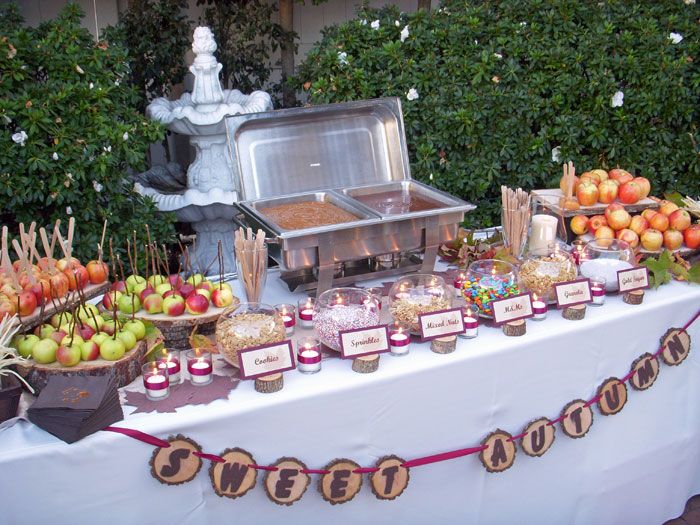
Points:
(577, 251)
(598, 290)
(458, 279)
(305, 309)
(539, 308)
(308, 355)
(171, 361)
(399, 338)
(376, 293)
(604, 258)
(155, 381)
(341, 309)
(470, 314)
(199, 365)
(289, 316)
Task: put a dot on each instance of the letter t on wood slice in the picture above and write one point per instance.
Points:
(391, 479)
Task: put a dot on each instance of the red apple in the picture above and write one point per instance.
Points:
(205, 285)
(620, 175)
(667, 207)
(659, 222)
(223, 297)
(146, 292)
(587, 193)
(610, 208)
(673, 239)
(59, 285)
(119, 286)
(26, 303)
(597, 221)
(602, 174)
(589, 176)
(652, 239)
(607, 191)
(174, 305)
(203, 291)
(168, 293)
(186, 290)
(644, 184)
(86, 332)
(58, 336)
(630, 192)
(618, 219)
(175, 280)
(7, 309)
(649, 213)
(41, 290)
(638, 224)
(65, 264)
(604, 232)
(98, 272)
(68, 355)
(110, 299)
(692, 236)
(679, 220)
(153, 304)
(629, 237)
(77, 277)
(89, 351)
(196, 304)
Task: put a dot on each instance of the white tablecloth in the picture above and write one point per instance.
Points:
(639, 466)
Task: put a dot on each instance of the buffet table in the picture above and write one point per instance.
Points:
(639, 466)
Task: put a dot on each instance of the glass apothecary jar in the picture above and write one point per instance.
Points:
(539, 273)
(604, 258)
(341, 309)
(418, 294)
(487, 281)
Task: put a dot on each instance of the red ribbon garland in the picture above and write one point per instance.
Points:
(418, 462)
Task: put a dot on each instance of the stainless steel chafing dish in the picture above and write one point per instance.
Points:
(335, 153)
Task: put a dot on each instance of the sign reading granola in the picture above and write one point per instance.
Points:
(441, 324)
(633, 279)
(264, 360)
(512, 309)
(364, 341)
(573, 293)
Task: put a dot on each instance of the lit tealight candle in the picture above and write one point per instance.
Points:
(155, 381)
(170, 361)
(376, 292)
(598, 291)
(399, 339)
(288, 314)
(471, 322)
(402, 293)
(199, 365)
(305, 307)
(308, 355)
(458, 282)
(539, 308)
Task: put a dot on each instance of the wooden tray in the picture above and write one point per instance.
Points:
(549, 198)
(89, 292)
(125, 369)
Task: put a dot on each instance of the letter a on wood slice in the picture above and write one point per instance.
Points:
(234, 477)
(341, 484)
(176, 464)
(613, 396)
(288, 483)
(500, 453)
(391, 479)
(578, 419)
(646, 370)
(676, 345)
(539, 436)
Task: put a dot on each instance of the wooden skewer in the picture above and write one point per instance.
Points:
(48, 249)
(102, 241)
(24, 263)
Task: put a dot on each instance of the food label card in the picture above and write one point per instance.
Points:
(633, 279)
(572, 293)
(441, 324)
(263, 360)
(512, 309)
(364, 341)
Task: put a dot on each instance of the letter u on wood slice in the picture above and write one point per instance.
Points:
(539, 436)
(613, 396)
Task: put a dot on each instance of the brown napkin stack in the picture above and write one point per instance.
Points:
(71, 408)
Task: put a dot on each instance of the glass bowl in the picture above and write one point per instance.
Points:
(245, 326)
(539, 273)
(418, 294)
(604, 258)
(489, 280)
(340, 309)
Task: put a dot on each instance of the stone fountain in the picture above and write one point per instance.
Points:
(208, 200)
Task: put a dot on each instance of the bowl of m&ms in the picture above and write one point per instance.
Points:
(487, 281)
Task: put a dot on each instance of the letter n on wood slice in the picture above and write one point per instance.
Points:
(676, 346)
(176, 464)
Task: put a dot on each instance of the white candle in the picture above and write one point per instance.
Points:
(173, 365)
(306, 317)
(200, 373)
(399, 343)
(543, 232)
(605, 268)
(288, 324)
(471, 327)
(539, 308)
(156, 381)
(598, 292)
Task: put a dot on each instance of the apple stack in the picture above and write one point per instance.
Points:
(604, 187)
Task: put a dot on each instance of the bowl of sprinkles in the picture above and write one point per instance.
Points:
(487, 281)
(341, 309)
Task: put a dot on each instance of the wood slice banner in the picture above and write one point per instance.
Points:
(633, 297)
(646, 370)
(341, 484)
(613, 396)
(177, 463)
(515, 328)
(288, 483)
(391, 479)
(233, 478)
(539, 436)
(578, 419)
(574, 313)
(500, 454)
(676, 346)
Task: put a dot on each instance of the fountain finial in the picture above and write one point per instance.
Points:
(207, 88)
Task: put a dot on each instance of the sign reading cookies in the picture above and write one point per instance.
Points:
(264, 360)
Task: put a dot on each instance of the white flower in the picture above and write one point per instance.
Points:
(617, 99)
(375, 24)
(689, 2)
(498, 55)
(556, 154)
(20, 138)
(412, 94)
(476, 42)
(54, 156)
(92, 85)
(69, 210)
(6, 119)
(523, 24)
(79, 69)
(397, 23)
(116, 82)
(125, 136)
(343, 58)
(108, 149)
(676, 38)
(98, 187)
(363, 22)
(404, 33)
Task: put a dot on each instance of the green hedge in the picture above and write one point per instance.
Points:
(501, 84)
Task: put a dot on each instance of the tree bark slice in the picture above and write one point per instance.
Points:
(633, 297)
(125, 369)
(188, 465)
(284, 487)
(269, 384)
(366, 364)
(574, 313)
(515, 328)
(444, 345)
(341, 484)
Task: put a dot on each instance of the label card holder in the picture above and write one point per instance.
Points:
(573, 293)
(512, 308)
(442, 323)
(263, 360)
(359, 342)
(633, 279)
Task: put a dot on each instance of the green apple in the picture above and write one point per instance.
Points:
(110, 326)
(45, 331)
(162, 288)
(129, 303)
(26, 345)
(94, 323)
(66, 341)
(68, 355)
(157, 280)
(112, 349)
(99, 338)
(138, 288)
(128, 338)
(137, 328)
(89, 351)
(86, 312)
(195, 279)
(132, 281)
(16, 340)
(44, 351)
(203, 291)
(59, 319)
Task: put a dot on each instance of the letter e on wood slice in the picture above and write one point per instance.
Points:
(676, 345)
(391, 479)
(176, 464)
(234, 477)
(578, 419)
(341, 484)
(288, 483)
(500, 453)
(539, 436)
(646, 370)
(613, 396)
